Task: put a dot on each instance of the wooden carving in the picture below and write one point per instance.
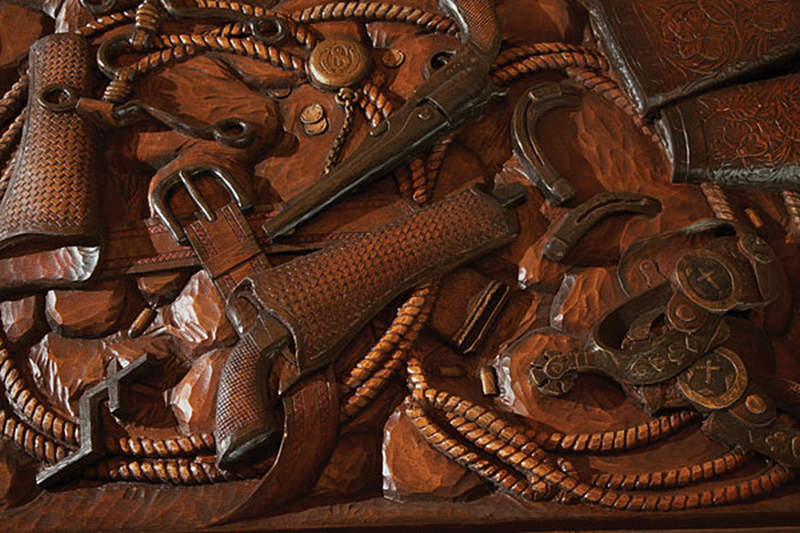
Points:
(470, 263)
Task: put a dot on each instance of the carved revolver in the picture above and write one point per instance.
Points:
(453, 94)
(317, 303)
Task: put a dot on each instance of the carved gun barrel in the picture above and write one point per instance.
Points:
(453, 94)
(323, 299)
(52, 195)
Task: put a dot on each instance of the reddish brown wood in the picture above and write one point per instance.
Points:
(403, 431)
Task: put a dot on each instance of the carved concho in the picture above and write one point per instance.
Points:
(337, 63)
(716, 380)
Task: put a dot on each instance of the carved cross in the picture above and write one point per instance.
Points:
(709, 368)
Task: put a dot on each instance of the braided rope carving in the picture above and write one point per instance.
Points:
(373, 371)
(169, 448)
(192, 43)
(180, 47)
(377, 11)
(371, 374)
(678, 477)
(32, 442)
(604, 86)
(181, 471)
(32, 412)
(301, 33)
(503, 478)
(10, 137)
(516, 53)
(433, 165)
(540, 63)
(375, 104)
(105, 23)
(14, 98)
(514, 447)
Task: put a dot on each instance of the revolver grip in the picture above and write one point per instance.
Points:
(478, 23)
(52, 195)
(245, 422)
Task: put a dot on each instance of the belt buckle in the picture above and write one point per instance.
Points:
(185, 176)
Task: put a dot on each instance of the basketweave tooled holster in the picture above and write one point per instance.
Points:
(323, 299)
(52, 196)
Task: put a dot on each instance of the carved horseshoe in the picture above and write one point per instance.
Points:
(581, 219)
(530, 108)
(311, 421)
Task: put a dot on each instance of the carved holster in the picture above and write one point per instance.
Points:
(52, 196)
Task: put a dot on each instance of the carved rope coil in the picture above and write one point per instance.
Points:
(301, 34)
(172, 447)
(511, 445)
(182, 471)
(516, 53)
(718, 201)
(417, 181)
(677, 477)
(615, 440)
(503, 478)
(31, 442)
(105, 23)
(375, 103)
(180, 47)
(371, 374)
(609, 89)
(10, 137)
(32, 412)
(433, 165)
(13, 99)
(622, 439)
(36, 417)
(376, 11)
(540, 63)
(230, 29)
(118, 89)
(191, 43)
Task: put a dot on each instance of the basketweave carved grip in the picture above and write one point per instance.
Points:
(53, 190)
(323, 299)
